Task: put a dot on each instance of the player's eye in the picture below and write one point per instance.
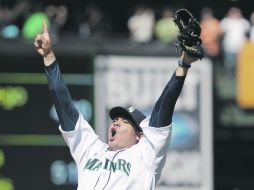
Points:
(127, 121)
(114, 120)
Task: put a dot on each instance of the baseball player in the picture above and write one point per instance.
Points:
(135, 153)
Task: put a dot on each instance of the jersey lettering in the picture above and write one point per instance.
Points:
(120, 165)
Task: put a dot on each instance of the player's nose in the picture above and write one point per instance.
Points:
(116, 124)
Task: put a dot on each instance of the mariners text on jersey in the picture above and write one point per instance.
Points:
(120, 164)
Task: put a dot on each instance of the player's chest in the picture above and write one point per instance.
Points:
(107, 162)
(99, 170)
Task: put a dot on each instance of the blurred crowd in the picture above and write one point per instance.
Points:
(23, 19)
(224, 37)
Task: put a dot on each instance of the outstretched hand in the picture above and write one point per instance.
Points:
(42, 41)
(187, 58)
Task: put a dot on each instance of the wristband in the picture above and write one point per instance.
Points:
(49, 59)
(183, 64)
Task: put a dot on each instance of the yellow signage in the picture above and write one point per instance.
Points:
(245, 76)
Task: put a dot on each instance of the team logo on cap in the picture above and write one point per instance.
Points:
(131, 109)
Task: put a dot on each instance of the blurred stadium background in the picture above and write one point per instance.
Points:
(88, 36)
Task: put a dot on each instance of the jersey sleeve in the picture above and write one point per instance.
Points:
(154, 146)
(81, 139)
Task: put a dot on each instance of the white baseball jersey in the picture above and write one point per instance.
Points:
(135, 168)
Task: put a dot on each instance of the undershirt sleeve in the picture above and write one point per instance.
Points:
(164, 107)
(67, 113)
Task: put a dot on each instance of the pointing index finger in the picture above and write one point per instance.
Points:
(44, 26)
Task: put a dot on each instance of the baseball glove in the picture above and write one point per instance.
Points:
(189, 32)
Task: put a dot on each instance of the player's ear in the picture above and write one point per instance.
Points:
(139, 135)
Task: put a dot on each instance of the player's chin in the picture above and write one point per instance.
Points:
(112, 145)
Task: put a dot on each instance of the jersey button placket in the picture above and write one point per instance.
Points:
(103, 174)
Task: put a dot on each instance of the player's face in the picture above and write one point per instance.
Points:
(122, 134)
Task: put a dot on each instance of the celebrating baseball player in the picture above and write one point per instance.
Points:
(135, 153)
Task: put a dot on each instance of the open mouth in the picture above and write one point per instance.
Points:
(113, 132)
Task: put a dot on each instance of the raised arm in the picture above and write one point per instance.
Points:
(164, 107)
(67, 113)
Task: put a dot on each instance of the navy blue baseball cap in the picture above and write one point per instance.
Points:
(131, 114)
